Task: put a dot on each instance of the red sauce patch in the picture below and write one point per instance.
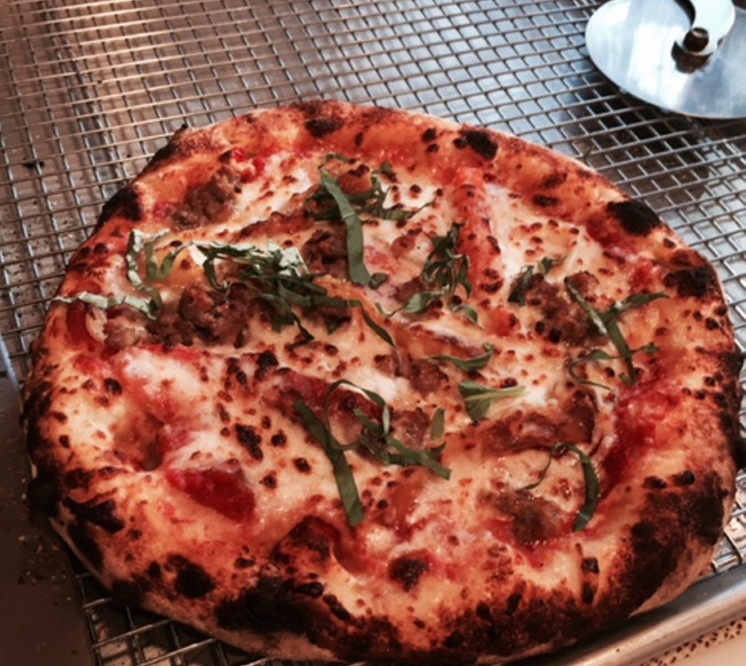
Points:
(254, 169)
(75, 319)
(637, 416)
(220, 489)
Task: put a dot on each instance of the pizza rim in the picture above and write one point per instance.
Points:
(474, 633)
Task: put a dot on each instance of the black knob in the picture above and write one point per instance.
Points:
(696, 39)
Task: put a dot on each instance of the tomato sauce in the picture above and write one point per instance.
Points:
(220, 489)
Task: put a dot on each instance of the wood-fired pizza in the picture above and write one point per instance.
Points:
(339, 382)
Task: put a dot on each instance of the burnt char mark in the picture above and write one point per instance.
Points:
(378, 637)
(43, 493)
(250, 440)
(544, 201)
(101, 514)
(636, 218)
(540, 618)
(555, 180)
(310, 536)
(480, 141)
(78, 478)
(112, 386)
(191, 581)
(314, 589)
(590, 565)
(265, 362)
(36, 407)
(320, 120)
(278, 604)
(85, 544)
(337, 608)
(703, 508)
(686, 478)
(657, 547)
(45, 489)
(320, 127)
(652, 569)
(125, 202)
(268, 607)
(407, 571)
(695, 282)
(731, 363)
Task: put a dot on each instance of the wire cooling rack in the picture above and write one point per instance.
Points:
(89, 90)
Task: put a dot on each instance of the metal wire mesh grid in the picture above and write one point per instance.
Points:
(89, 90)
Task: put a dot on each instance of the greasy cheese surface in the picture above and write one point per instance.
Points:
(193, 459)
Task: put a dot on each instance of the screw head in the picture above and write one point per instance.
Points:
(696, 39)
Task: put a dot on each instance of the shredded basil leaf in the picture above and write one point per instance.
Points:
(592, 485)
(543, 473)
(376, 436)
(592, 489)
(438, 424)
(147, 306)
(282, 279)
(518, 293)
(547, 263)
(600, 355)
(144, 305)
(444, 272)
(469, 364)
(375, 439)
(357, 271)
(478, 398)
(337, 205)
(608, 325)
(157, 272)
(343, 476)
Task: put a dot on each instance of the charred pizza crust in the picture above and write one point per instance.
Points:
(572, 466)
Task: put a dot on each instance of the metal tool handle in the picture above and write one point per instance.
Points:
(711, 22)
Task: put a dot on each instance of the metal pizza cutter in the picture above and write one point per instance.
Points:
(687, 56)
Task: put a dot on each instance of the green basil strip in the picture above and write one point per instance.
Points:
(371, 395)
(625, 351)
(592, 485)
(438, 424)
(595, 355)
(600, 355)
(154, 271)
(469, 364)
(518, 293)
(146, 306)
(420, 301)
(381, 431)
(543, 473)
(607, 325)
(343, 477)
(374, 438)
(592, 488)
(379, 330)
(424, 457)
(634, 301)
(547, 263)
(469, 312)
(131, 258)
(478, 398)
(357, 271)
(589, 310)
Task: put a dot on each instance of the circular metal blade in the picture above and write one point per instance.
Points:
(632, 43)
